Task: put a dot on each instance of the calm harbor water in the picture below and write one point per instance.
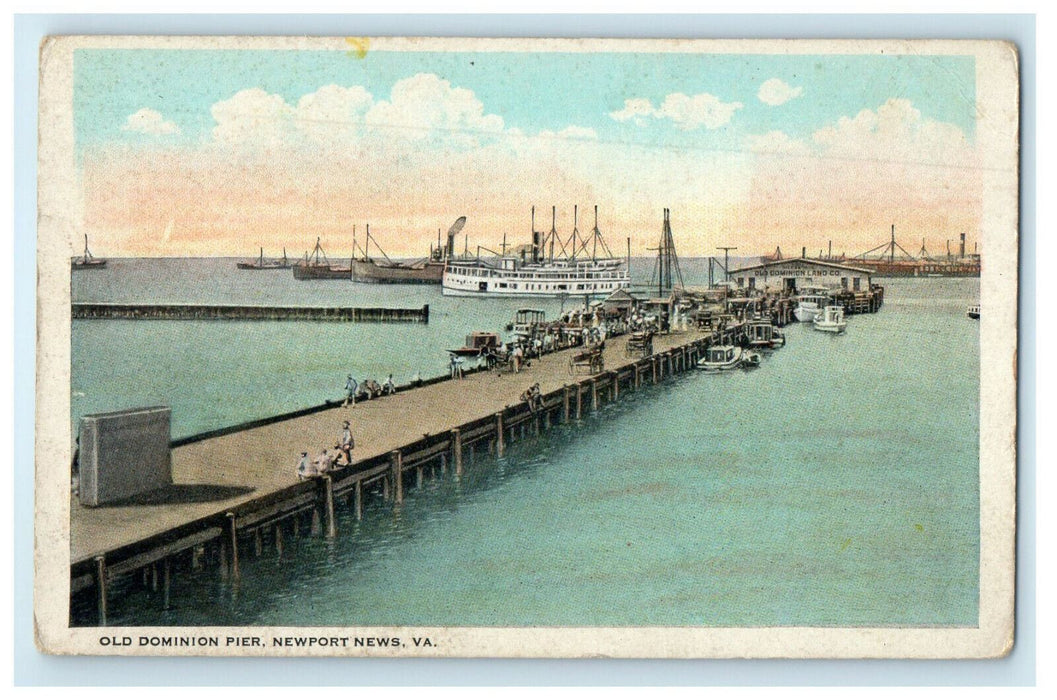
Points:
(835, 485)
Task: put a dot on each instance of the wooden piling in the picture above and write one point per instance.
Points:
(100, 587)
(396, 462)
(456, 450)
(317, 528)
(166, 582)
(594, 394)
(565, 403)
(499, 434)
(418, 477)
(359, 500)
(223, 566)
(233, 534)
(328, 499)
(258, 543)
(278, 540)
(579, 401)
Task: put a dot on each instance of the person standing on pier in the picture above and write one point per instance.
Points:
(351, 389)
(389, 388)
(347, 442)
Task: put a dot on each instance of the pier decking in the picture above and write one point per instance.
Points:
(236, 488)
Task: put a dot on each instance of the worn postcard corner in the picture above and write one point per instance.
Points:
(526, 348)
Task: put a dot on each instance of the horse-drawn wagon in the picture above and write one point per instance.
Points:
(587, 361)
(639, 344)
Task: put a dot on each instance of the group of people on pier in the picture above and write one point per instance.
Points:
(328, 461)
(369, 389)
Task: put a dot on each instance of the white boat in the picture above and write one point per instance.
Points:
(535, 271)
(973, 312)
(810, 303)
(831, 320)
(764, 334)
(721, 358)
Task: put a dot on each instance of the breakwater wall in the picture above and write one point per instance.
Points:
(238, 312)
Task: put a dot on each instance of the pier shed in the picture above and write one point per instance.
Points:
(796, 273)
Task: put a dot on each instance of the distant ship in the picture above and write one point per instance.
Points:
(425, 271)
(88, 261)
(535, 270)
(891, 260)
(261, 264)
(317, 267)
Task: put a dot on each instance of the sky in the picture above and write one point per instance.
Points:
(220, 152)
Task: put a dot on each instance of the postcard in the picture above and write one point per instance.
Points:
(526, 348)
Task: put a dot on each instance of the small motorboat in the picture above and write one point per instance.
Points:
(831, 320)
(764, 334)
(973, 312)
(750, 359)
(721, 358)
(811, 302)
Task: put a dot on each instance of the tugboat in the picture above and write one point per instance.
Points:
(973, 312)
(87, 261)
(831, 320)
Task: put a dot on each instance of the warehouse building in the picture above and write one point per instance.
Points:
(797, 273)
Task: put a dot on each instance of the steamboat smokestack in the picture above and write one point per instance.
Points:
(535, 238)
(961, 249)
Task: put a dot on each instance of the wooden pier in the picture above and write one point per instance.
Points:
(236, 493)
(238, 312)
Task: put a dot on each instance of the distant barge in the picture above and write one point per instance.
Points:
(262, 264)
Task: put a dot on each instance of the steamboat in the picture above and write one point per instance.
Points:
(549, 267)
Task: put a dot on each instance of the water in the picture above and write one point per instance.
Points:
(835, 485)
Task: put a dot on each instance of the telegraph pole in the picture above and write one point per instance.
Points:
(726, 259)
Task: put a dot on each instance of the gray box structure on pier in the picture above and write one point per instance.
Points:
(124, 454)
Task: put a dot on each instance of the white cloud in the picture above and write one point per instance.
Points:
(426, 106)
(149, 121)
(252, 117)
(776, 92)
(333, 113)
(896, 132)
(688, 112)
(699, 110)
(635, 108)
